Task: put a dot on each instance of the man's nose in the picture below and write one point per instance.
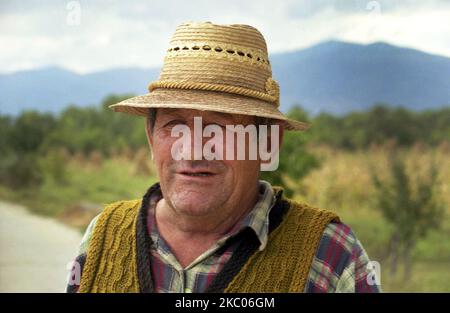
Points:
(200, 145)
(205, 143)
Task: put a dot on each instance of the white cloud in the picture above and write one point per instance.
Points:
(136, 33)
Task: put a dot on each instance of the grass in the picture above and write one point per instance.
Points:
(343, 184)
(86, 185)
(427, 276)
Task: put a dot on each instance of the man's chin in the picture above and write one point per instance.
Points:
(194, 203)
(194, 209)
(201, 188)
(192, 199)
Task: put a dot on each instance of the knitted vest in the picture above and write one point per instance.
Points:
(118, 256)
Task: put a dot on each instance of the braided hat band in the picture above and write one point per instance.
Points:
(215, 61)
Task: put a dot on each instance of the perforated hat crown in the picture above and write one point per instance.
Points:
(222, 68)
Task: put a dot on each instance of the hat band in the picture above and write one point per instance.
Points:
(215, 87)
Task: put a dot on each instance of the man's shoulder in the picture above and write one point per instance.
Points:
(116, 207)
(304, 208)
(118, 211)
(335, 230)
(110, 207)
(120, 207)
(121, 204)
(340, 235)
(336, 236)
(341, 263)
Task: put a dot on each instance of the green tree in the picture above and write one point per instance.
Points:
(22, 142)
(411, 209)
(30, 130)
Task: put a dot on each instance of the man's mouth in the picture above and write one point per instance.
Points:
(200, 174)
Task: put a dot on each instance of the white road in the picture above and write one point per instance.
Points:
(34, 251)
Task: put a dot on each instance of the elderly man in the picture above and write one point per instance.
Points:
(210, 224)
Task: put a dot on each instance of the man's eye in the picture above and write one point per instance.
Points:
(173, 123)
(215, 124)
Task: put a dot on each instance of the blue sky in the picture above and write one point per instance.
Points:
(113, 33)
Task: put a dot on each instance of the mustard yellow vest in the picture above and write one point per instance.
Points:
(283, 266)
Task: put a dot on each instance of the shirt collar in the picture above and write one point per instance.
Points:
(258, 218)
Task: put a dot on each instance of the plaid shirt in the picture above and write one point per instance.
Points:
(340, 264)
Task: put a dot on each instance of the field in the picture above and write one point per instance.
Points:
(342, 183)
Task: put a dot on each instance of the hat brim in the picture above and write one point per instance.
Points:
(205, 101)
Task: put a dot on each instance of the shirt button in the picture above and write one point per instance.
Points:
(187, 290)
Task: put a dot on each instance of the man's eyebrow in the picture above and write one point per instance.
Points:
(171, 110)
(220, 115)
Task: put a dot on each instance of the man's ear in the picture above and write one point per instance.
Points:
(280, 134)
(275, 147)
(149, 132)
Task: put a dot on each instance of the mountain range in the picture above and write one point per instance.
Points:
(332, 76)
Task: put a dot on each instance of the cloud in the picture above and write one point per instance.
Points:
(136, 33)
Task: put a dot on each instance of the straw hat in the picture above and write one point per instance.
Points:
(222, 68)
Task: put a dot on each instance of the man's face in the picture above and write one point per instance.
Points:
(200, 187)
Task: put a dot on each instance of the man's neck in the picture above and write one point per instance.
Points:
(190, 236)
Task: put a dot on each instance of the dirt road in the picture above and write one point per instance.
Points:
(34, 251)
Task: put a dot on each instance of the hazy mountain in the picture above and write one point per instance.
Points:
(53, 88)
(339, 77)
(332, 76)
